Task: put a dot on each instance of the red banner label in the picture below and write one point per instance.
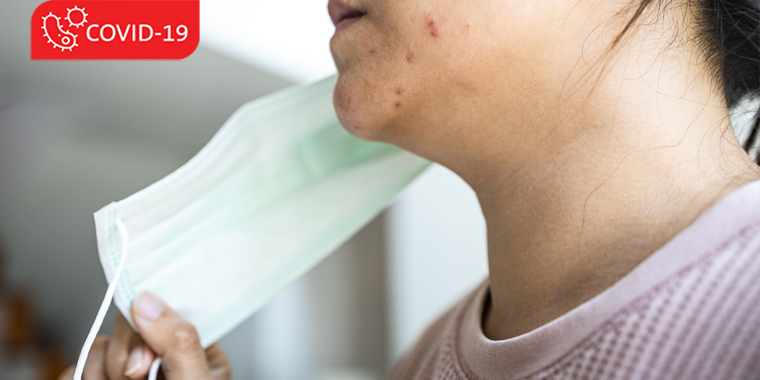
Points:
(115, 29)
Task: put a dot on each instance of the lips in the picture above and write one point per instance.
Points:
(342, 13)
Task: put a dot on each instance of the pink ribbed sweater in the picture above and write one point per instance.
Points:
(689, 311)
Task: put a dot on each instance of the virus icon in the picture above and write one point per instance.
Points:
(61, 39)
(82, 15)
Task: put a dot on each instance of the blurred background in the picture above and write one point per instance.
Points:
(75, 136)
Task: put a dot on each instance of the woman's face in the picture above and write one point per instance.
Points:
(413, 70)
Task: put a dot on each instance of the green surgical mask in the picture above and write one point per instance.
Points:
(276, 190)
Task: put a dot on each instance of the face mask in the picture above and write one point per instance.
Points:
(277, 189)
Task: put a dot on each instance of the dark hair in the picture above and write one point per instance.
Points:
(729, 33)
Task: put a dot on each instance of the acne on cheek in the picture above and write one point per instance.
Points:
(431, 26)
(398, 92)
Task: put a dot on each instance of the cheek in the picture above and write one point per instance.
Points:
(388, 73)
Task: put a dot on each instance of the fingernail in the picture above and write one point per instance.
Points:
(135, 361)
(148, 306)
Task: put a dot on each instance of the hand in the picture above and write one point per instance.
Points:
(127, 355)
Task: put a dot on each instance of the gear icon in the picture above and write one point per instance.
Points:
(82, 14)
(67, 40)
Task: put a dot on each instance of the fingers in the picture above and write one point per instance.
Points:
(127, 355)
(171, 337)
(218, 366)
(94, 368)
(67, 374)
(118, 348)
(120, 362)
(139, 361)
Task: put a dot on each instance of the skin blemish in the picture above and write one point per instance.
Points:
(467, 26)
(399, 91)
(431, 26)
(398, 104)
(410, 57)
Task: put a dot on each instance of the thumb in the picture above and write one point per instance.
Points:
(174, 339)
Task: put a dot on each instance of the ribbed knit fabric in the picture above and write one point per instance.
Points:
(689, 311)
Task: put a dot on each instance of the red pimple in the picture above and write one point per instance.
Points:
(399, 91)
(431, 26)
(398, 104)
(410, 57)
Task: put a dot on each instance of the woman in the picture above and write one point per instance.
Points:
(623, 214)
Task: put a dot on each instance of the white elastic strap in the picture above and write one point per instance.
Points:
(154, 369)
(104, 308)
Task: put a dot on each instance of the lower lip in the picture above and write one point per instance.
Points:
(343, 24)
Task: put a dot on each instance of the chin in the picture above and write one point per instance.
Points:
(358, 111)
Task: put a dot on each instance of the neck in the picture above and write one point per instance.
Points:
(556, 241)
(583, 167)
(576, 214)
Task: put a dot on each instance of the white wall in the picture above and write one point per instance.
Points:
(437, 252)
(287, 38)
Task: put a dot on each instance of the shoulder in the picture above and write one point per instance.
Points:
(700, 322)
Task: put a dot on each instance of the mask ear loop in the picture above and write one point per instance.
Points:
(104, 308)
(154, 369)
